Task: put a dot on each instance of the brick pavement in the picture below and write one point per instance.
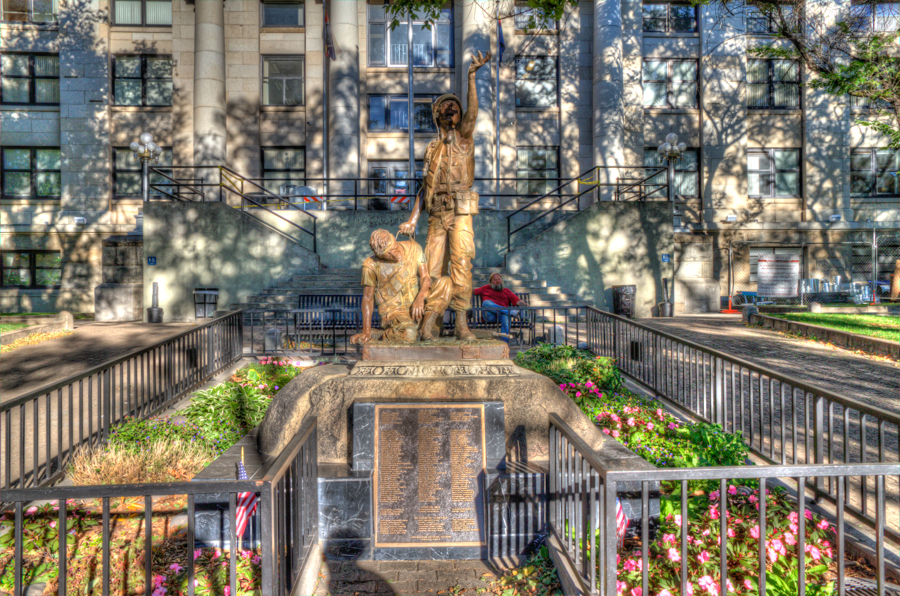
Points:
(92, 344)
(870, 381)
(403, 578)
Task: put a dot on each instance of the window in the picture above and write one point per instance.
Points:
(29, 78)
(282, 14)
(142, 80)
(127, 173)
(391, 180)
(150, 13)
(773, 172)
(391, 112)
(763, 23)
(29, 11)
(873, 172)
(31, 173)
(670, 83)
(30, 269)
(773, 84)
(866, 103)
(670, 18)
(431, 47)
(282, 81)
(686, 175)
(283, 166)
(531, 18)
(876, 16)
(537, 162)
(536, 82)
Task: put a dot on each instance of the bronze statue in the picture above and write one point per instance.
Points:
(448, 172)
(390, 279)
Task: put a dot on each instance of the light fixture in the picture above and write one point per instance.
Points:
(835, 217)
(146, 151)
(730, 218)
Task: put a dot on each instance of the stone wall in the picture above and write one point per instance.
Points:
(211, 245)
(606, 245)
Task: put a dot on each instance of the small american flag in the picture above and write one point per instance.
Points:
(246, 504)
(621, 524)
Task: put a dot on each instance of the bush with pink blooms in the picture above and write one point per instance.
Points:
(782, 543)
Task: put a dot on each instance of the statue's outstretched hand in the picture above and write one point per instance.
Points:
(408, 229)
(479, 60)
(361, 338)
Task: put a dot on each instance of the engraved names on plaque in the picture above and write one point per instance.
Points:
(428, 459)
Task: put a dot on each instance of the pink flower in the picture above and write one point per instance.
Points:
(703, 557)
(808, 514)
(659, 412)
(176, 567)
(714, 512)
(158, 580)
(615, 434)
(664, 592)
(754, 531)
(674, 555)
(794, 528)
(732, 490)
(637, 592)
(606, 430)
(217, 553)
(789, 539)
(227, 590)
(714, 495)
(705, 532)
(792, 516)
(748, 584)
(672, 426)
(630, 422)
(730, 533)
(255, 559)
(197, 553)
(578, 394)
(562, 386)
(52, 524)
(705, 581)
(822, 525)
(678, 520)
(31, 511)
(753, 499)
(689, 589)
(815, 553)
(649, 426)
(778, 545)
(620, 587)
(826, 544)
(614, 417)
(669, 538)
(588, 384)
(633, 565)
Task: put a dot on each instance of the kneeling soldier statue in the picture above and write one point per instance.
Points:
(391, 279)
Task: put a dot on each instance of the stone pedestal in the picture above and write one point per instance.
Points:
(121, 295)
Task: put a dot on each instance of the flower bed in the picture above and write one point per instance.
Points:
(156, 450)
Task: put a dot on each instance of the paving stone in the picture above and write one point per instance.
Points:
(456, 575)
(418, 574)
(392, 565)
(406, 587)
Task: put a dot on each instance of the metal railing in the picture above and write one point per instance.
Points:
(782, 419)
(42, 430)
(583, 521)
(287, 510)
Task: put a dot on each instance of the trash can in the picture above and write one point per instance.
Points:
(205, 302)
(623, 300)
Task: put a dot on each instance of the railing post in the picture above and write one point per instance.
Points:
(267, 540)
(719, 415)
(819, 433)
(609, 540)
(107, 400)
(210, 350)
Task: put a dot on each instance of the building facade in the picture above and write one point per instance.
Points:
(243, 83)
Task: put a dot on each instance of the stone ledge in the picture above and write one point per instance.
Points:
(852, 341)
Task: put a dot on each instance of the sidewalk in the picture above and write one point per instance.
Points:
(870, 381)
(92, 344)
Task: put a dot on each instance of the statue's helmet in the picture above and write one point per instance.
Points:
(381, 242)
(435, 107)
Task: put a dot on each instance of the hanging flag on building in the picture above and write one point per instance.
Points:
(246, 504)
(621, 524)
(331, 48)
(501, 45)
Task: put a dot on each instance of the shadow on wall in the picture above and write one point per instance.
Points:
(608, 244)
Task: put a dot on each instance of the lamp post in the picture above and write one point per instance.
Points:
(146, 150)
(671, 151)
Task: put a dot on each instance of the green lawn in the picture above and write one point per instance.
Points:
(26, 314)
(883, 327)
(7, 327)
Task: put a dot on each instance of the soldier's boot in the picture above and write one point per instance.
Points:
(462, 329)
(427, 333)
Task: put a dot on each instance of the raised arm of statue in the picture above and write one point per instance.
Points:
(467, 124)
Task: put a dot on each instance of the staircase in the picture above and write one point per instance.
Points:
(284, 295)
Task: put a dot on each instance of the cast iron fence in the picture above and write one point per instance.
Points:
(782, 419)
(583, 504)
(287, 507)
(42, 430)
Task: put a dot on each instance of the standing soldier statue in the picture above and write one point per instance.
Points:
(449, 172)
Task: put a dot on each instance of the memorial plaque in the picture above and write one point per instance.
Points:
(429, 462)
(778, 276)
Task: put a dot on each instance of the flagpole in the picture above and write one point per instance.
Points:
(410, 106)
(325, 69)
(497, 130)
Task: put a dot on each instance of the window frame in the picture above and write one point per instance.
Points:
(143, 23)
(263, 170)
(758, 15)
(32, 269)
(555, 80)
(30, 13)
(263, 78)
(670, 81)
(669, 19)
(773, 171)
(144, 79)
(136, 170)
(33, 172)
(530, 180)
(32, 78)
(386, 23)
(694, 170)
(770, 85)
(381, 199)
(262, 15)
(868, 24)
(522, 9)
(387, 111)
(874, 171)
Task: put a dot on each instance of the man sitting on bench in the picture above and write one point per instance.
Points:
(495, 296)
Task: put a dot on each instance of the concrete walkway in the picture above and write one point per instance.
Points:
(92, 344)
(870, 381)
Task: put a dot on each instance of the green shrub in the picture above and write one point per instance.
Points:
(567, 364)
(135, 435)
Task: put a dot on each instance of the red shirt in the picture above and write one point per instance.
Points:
(502, 298)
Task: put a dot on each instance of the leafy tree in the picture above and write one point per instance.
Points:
(429, 10)
(848, 50)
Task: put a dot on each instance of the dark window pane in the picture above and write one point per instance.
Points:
(683, 18)
(539, 94)
(46, 90)
(15, 259)
(398, 45)
(376, 44)
(16, 159)
(48, 184)
(444, 45)
(273, 92)
(17, 184)
(48, 159)
(128, 92)
(862, 184)
(159, 68)
(128, 67)
(159, 93)
(15, 10)
(16, 90)
(16, 277)
(787, 184)
(283, 15)
(423, 49)
(654, 17)
(377, 112)
(128, 184)
(422, 116)
(14, 65)
(293, 92)
(48, 277)
(399, 113)
(48, 259)
(46, 66)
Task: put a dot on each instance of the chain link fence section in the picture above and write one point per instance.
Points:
(887, 250)
(830, 273)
